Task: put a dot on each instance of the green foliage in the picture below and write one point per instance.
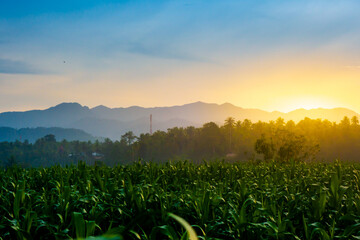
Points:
(266, 147)
(190, 231)
(11, 162)
(286, 146)
(182, 200)
(277, 140)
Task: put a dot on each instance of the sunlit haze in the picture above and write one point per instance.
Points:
(271, 55)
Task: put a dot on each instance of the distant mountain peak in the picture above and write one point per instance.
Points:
(199, 103)
(136, 107)
(68, 106)
(100, 107)
(228, 105)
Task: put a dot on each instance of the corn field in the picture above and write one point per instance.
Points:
(160, 201)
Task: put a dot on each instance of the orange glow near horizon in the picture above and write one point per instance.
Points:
(307, 103)
(275, 84)
(287, 84)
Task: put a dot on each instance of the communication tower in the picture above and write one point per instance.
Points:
(150, 124)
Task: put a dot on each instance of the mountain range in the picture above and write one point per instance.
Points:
(32, 134)
(113, 122)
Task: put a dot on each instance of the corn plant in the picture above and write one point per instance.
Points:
(182, 200)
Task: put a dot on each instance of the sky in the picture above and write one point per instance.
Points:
(272, 55)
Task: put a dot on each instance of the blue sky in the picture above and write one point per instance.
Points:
(256, 54)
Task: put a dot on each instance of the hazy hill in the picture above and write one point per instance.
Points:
(334, 114)
(61, 115)
(113, 122)
(32, 134)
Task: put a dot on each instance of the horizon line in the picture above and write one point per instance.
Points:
(178, 105)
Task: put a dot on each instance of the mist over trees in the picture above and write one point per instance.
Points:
(307, 140)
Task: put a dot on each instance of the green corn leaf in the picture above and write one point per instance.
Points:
(90, 228)
(190, 231)
(79, 225)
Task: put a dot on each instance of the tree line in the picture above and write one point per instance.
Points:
(307, 140)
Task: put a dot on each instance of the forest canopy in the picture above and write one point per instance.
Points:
(307, 140)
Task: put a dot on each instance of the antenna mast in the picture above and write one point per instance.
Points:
(150, 124)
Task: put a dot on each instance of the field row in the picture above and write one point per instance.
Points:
(219, 199)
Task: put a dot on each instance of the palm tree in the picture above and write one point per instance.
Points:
(229, 125)
(128, 138)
